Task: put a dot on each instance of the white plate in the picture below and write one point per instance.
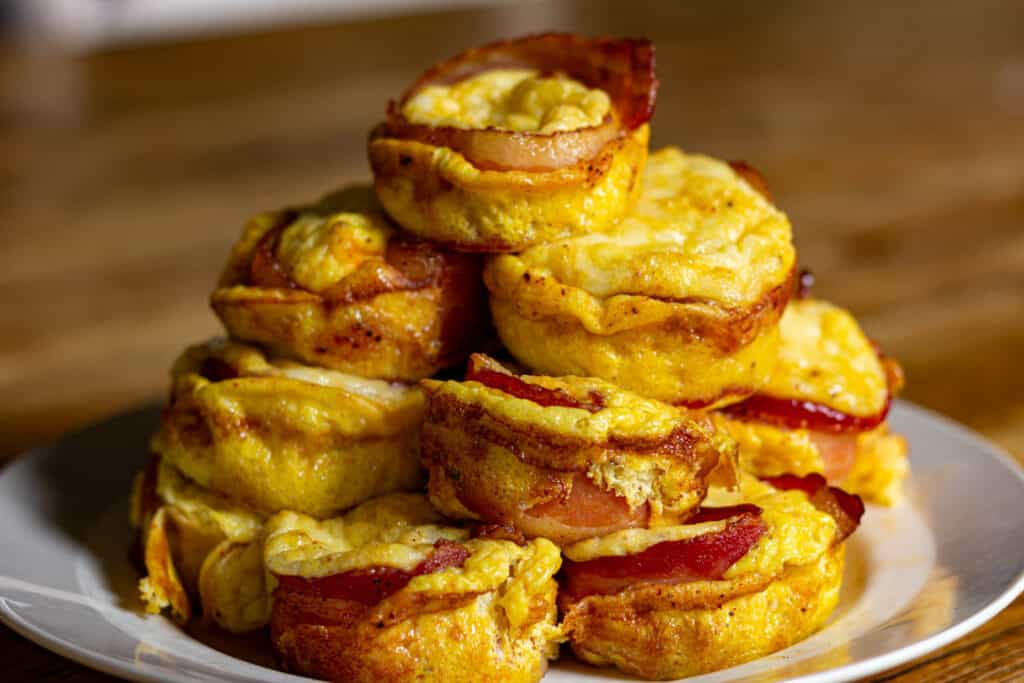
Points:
(918, 576)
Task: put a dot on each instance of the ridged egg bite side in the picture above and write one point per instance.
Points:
(180, 526)
(278, 435)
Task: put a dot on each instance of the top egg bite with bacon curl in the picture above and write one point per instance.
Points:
(824, 408)
(563, 458)
(679, 302)
(518, 142)
(335, 284)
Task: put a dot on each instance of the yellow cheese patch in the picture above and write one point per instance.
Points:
(826, 358)
(698, 231)
(518, 100)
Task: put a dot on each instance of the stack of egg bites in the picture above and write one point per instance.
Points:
(651, 475)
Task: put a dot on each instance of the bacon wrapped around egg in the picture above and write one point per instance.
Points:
(519, 142)
(750, 573)
(563, 458)
(335, 284)
(274, 434)
(386, 594)
(824, 408)
(181, 525)
(679, 302)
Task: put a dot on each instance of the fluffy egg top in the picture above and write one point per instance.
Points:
(520, 100)
(825, 357)
(699, 232)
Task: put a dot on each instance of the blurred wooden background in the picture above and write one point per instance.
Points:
(892, 134)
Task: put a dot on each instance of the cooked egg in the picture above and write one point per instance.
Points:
(520, 100)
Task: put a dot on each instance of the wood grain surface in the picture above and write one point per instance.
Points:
(892, 134)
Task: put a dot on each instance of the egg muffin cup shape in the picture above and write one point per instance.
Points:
(335, 284)
(511, 163)
(679, 302)
(274, 434)
(562, 458)
(824, 408)
(387, 594)
(712, 615)
(180, 525)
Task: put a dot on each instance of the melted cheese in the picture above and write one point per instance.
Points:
(698, 231)
(329, 240)
(398, 531)
(797, 533)
(826, 358)
(518, 100)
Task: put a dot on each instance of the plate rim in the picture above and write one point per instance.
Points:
(103, 663)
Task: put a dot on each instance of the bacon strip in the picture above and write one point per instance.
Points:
(752, 176)
(703, 558)
(717, 514)
(846, 508)
(371, 585)
(792, 413)
(622, 68)
(477, 371)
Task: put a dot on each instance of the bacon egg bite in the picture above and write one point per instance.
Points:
(277, 435)
(680, 302)
(519, 142)
(182, 524)
(824, 408)
(335, 285)
(750, 573)
(386, 594)
(562, 458)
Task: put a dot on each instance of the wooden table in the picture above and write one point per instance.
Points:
(893, 136)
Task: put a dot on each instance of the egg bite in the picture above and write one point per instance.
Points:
(275, 435)
(824, 408)
(751, 573)
(563, 458)
(518, 142)
(180, 525)
(680, 302)
(387, 594)
(335, 284)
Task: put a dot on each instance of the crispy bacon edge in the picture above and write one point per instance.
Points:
(702, 558)
(370, 585)
(624, 68)
(846, 508)
(791, 413)
(491, 374)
